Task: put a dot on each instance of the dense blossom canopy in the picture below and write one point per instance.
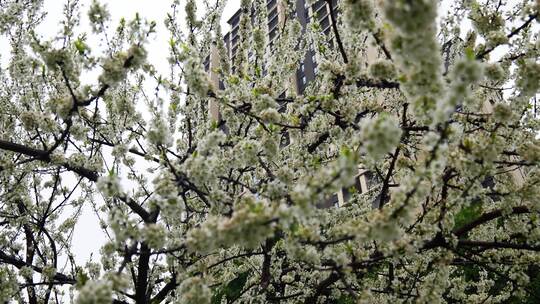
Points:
(204, 210)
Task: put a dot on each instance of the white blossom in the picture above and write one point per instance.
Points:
(95, 292)
(98, 15)
(193, 290)
(154, 235)
(379, 136)
(109, 185)
(159, 133)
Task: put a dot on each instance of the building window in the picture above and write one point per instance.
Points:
(332, 201)
(270, 4)
(317, 5)
(207, 63)
(325, 23)
(272, 24)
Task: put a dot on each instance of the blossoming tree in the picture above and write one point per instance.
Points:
(205, 210)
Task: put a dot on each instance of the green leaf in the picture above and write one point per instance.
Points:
(82, 278)
(316, 162)
(255, 92)
(80, 44)
(469, 53)
(467, 214)
(534, 287)
(294, 227)
(173, 106)
(112, 172)
(294, 119)
(345, 299)
(346, 152)
(471, 272)
(232, 290)
(233, 80)
(402, 78)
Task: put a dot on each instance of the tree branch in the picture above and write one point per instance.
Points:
(45, 156)
(60, 277)
(486, 217)
(336, 32)
(512, 34)
(495, 245)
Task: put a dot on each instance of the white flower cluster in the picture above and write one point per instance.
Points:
(26, 272)
(191, 13)
(164, 185)
(270, 146)
(202, 170)
(359, 14)
(48, 273)
(9, 14)
(411, 16)
(483, 20)
(8, 285)
(382, 69)
(263, 102)
(246, 152)
(530, 151)
(98, 15)
(61, 106)
(529, 77)
(271, 115)
(307, 254)
(417, 50)
(496, 38)
(379, 135)
(109, 185)
(259, 41)
(95, 292)
(495, 72)
(210, 143)
(194, 291)
(502, 112)
(154, 235)
(159, 133)
(116, 68)
(250, 224)
(195, 76)
(29, 120)
(55, 58)
(465, 74)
